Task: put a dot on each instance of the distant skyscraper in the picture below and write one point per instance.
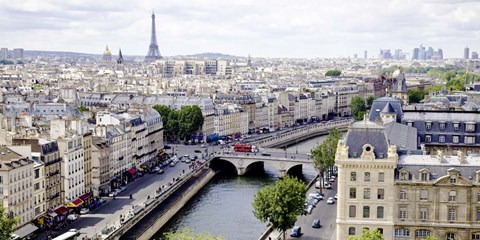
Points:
(355, 55)
(415, 53)
(474, 55)
(421, 53)
(398, 54)
(3, 53)
(365, 54)
(440, 53)
(466, 52)
(153, 52)
(18, 53)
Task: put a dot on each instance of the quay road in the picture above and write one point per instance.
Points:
(109, 213)
(327, 214)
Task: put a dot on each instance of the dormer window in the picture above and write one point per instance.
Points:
(456, 126)
(442, 126)
(428, 126)
(470, 127)
(428, 138)
(404, 176)
(453, 179)
(424, 176)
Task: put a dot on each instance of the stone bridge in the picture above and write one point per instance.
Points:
(294, 136)
(244, 163)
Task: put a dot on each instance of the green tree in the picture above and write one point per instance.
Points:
(281, 203)
(357, 105)
(367, 234)
(186, 233)
(82, 109)
(172, 124)
(7, 224)
(163, 110)
(333, 73)
(324, 155)
(370, 101)
(415, 95)
(190, 121)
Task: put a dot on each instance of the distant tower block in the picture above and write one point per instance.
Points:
(153, 52)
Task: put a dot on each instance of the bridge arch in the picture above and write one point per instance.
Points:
(220, 164)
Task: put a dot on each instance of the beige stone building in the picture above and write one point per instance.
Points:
(87, 151)
(101, 173)
(16, 189)
(405, 196)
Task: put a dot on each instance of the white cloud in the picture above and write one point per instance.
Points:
(301, 28)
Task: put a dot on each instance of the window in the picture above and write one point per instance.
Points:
(422, 233)
(442, 126)
(353, 193)
(452, 214)
(367, 177)
(366, 193)
(366, 212)
(351, 231)
(452, 195)
(403, 194)
(380, 212)
(424, 194)
(402, 213)
(428, 125)
(469, 140)
(456, 126)
(450, 236)
(424, 176)
(428, 138)
(404, 176)
(37, 173)
(353, 176)
(478, 214)
(478, 197)
(380, 193)
(476, 236)
(455, 139)
(381, 177)
(453, 179)
(441, 138)
(423, 213)
(470, 127)
(352, 211)
(402, 232)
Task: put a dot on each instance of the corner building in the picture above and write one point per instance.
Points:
(366, 168)
(406, 196)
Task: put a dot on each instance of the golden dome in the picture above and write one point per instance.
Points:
(107, 52)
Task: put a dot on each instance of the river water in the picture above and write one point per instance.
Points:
(224, 206)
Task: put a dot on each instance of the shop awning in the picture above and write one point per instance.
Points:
(25, 231)
(61, 210)
(132, 171)
(52, 214)
(86, 196)
(75, 203)
(140, 168)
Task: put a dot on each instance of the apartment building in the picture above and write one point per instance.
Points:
(73, 166)
(16, 189)
(230, 119)
(39, 189)
(101, 172)
(87, 149)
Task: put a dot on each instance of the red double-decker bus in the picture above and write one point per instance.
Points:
(244, 148)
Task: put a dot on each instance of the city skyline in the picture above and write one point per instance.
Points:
(264, 29)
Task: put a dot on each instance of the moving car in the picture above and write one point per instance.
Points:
(84, 211)
(172, 164)
(296, 231)
(317, 196)
(330, 200)
(72, 217)
(316, 223)
(188, 161)
(336, 196)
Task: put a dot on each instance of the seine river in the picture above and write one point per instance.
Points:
(224, 206)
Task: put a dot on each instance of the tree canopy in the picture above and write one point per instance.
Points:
(324, 154)
(358, 107)
(82, 108)
(333, 73)
(281, 203)
(7, 224)
(370, 101)
(181, 123)
(367, 234)
(186, 233)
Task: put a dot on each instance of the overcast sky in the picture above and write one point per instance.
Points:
(262, 28)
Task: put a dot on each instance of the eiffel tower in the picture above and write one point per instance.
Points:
(153, 52)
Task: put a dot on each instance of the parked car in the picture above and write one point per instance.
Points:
(330, 200)
(315, 195)
(316, 223)
(327, 185)
(203, 145)
(188, 161)
(312, 201)
(296, 231)
(112, 194)
(331, 180)
(84, 211)
(160, 171)
(172, 164)
(197, 151)
(156, 169)
(317, 184)
(336, 196)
